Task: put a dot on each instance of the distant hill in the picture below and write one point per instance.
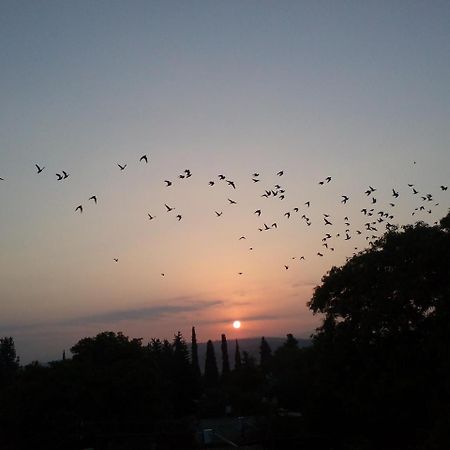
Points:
(250, 345)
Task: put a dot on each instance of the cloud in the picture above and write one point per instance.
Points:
(119, 315)
(250, 318)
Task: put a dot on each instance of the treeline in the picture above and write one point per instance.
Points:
(113, 382)
(377, 375)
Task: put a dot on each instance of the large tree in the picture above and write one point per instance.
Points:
(382, 354)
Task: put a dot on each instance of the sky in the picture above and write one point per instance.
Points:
(355, 91)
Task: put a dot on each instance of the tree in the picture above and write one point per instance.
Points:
(237, 357)
(382, 357)
(106, 347)
(194, 355)
(9, 362)
(225, 360)
(211, 372)
(265, 353)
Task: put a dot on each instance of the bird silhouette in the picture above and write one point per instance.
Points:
(79, 208)
(39, 169)
(444, 188)
(232, 202)
(286, 267)
(60, 177)
(287, 214)
(122, 167)
(221, 177)
(143, 158)
(328, 179)
(211, 183)
(218, 213)
(231, 183)
(327, 222)
(242, 237)
(168, 183)
(344, 199)
(255, 180)
(308, 204)
(258, 211)
(179, 217)
(94, 197)
(168, 208)
(116, 259)
(150, 217)
(66, 175)
(395, 193)
(255, 174)
(280, 173)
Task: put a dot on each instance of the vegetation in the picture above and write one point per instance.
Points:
(376, 375)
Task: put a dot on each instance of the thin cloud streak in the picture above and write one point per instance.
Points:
(146, 312)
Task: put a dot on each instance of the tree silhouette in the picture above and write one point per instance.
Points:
(382, 359)
(237, 357)
(9, 363)
(225, 360)
(211, 372)
(265, 353)
(194, 355)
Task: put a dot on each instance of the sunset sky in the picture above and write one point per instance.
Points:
(358, 91)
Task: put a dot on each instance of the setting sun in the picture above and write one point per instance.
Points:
(237, 324)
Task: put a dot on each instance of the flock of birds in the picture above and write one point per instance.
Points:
(376, 219)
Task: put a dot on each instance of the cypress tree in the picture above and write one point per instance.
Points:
(194, 355)
(225, 361)
(237, 357)
(211, 372)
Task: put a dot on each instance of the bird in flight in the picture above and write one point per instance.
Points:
(327, 222)
(286, 267)
(255, 174)
(179, 217)
(344, 199)
(221, 177)
(242, 237)
(394, 193)
(218, 214)
(231, 183)
(168, 208)
(116, 259)
(255, 180)
(143, 158)
(328, 179)
(168, 183)
(94, 197)
(308, 204)
(258, 211)
(79, 208)
(211, 183)
(60, 177)
(122, 167)
(39, 169)
(232, 202)
(66, 175)
(444, 188)
(280, 173)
